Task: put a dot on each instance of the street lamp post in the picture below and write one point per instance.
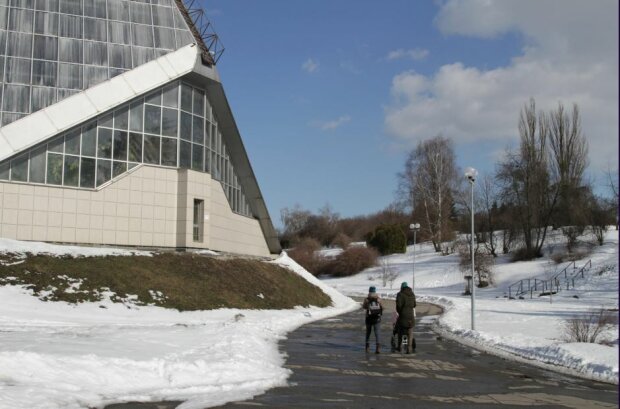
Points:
(471, 174)
(414, 227)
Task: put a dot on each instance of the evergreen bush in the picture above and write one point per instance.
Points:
(388, 239)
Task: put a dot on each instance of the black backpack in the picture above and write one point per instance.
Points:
(374, 308)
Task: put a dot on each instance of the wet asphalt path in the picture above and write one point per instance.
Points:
(331, 370)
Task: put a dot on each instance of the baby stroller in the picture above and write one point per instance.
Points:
(404, 339)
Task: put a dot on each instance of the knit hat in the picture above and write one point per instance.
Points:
(404, 285)
(372, 290)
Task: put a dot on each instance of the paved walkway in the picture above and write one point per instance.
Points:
(330, 369)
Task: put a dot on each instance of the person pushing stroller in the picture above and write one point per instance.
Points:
(405, 304)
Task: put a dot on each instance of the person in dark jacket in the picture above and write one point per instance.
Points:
(405, 304)
(374, 311)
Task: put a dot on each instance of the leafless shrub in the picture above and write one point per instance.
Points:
(350, 262)
(588, 327)
(341, 240)
(483, 263)
(305, 254)
(388, 275)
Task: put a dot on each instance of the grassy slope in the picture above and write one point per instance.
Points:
(187, 281)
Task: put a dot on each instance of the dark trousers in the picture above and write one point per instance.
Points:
(369, 327)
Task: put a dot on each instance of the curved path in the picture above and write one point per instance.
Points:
(330, 369)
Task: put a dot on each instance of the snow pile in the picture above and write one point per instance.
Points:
(530, 330)
(20, 248)
(57, 355)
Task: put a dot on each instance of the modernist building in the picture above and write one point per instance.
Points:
(115, 129)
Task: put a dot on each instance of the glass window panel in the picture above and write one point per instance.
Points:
(121, 118)
(168, 152)
(72, 142)
(164, 38)
(69, 26)
(49, 5)
(44, 73)
(95, 8)
(37, 165)
(72, 171)
(106, 120)
(120, 145)
(95, 53)
(4, 16)
(87, 173)
(131, 165)
(198, 127)
(142, 35)
(119, 56)
(199, 106)
(17, 70)
(1, 73)
(3, 36)
(89, 140)
(19, 169)
(152, 119)
(54, 169)
(16, 99)
(154, 98)
(119, 32)
(151, 149)
(186, 97)
(19, 45)
(186, 126)
(142, 55)
(162, 16)
(94, 75)
(135, 117)
(184, 37)
(42, 97)
(207, 161)
(104, 143)
(116, 71)
(45, 48)
(118, 10)
(171, 96)
(70, 50)
(65, 93)
(71, 6)
(178, 20)
(141, 13)
(70, 76)
(169, 122)
(119, 168)
(197, 154)
(135, 147)
(57, 145)
(185, 155)
(21, 20)
(95, 29)
(104, 171)
(5, 167)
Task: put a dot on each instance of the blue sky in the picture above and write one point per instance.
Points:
(330, 96)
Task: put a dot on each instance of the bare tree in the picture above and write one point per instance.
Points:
(612, 184)
(388, 275)
(428, 184)
(526, 183)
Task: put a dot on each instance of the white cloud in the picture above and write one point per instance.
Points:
(310, 65)
(415, 54)
(570, 54)
(331, 125)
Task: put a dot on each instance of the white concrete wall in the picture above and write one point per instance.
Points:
(149, 206)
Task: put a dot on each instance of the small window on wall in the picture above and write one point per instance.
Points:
(199, 216)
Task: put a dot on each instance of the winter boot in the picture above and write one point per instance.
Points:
(377, 351)
(367, 347)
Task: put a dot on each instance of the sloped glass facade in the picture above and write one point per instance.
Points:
(51, 49)
(173, 126)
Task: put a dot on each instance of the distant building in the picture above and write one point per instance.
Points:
(115, 129)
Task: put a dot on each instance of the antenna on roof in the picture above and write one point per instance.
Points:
(202, 29)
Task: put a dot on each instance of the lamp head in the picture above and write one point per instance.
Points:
(414, 226)
(471, 174)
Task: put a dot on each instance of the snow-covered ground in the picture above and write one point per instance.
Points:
(57, 355)
(530, 329)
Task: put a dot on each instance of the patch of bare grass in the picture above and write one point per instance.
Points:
(182, 281)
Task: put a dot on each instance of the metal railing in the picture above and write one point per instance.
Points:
(551, 285)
